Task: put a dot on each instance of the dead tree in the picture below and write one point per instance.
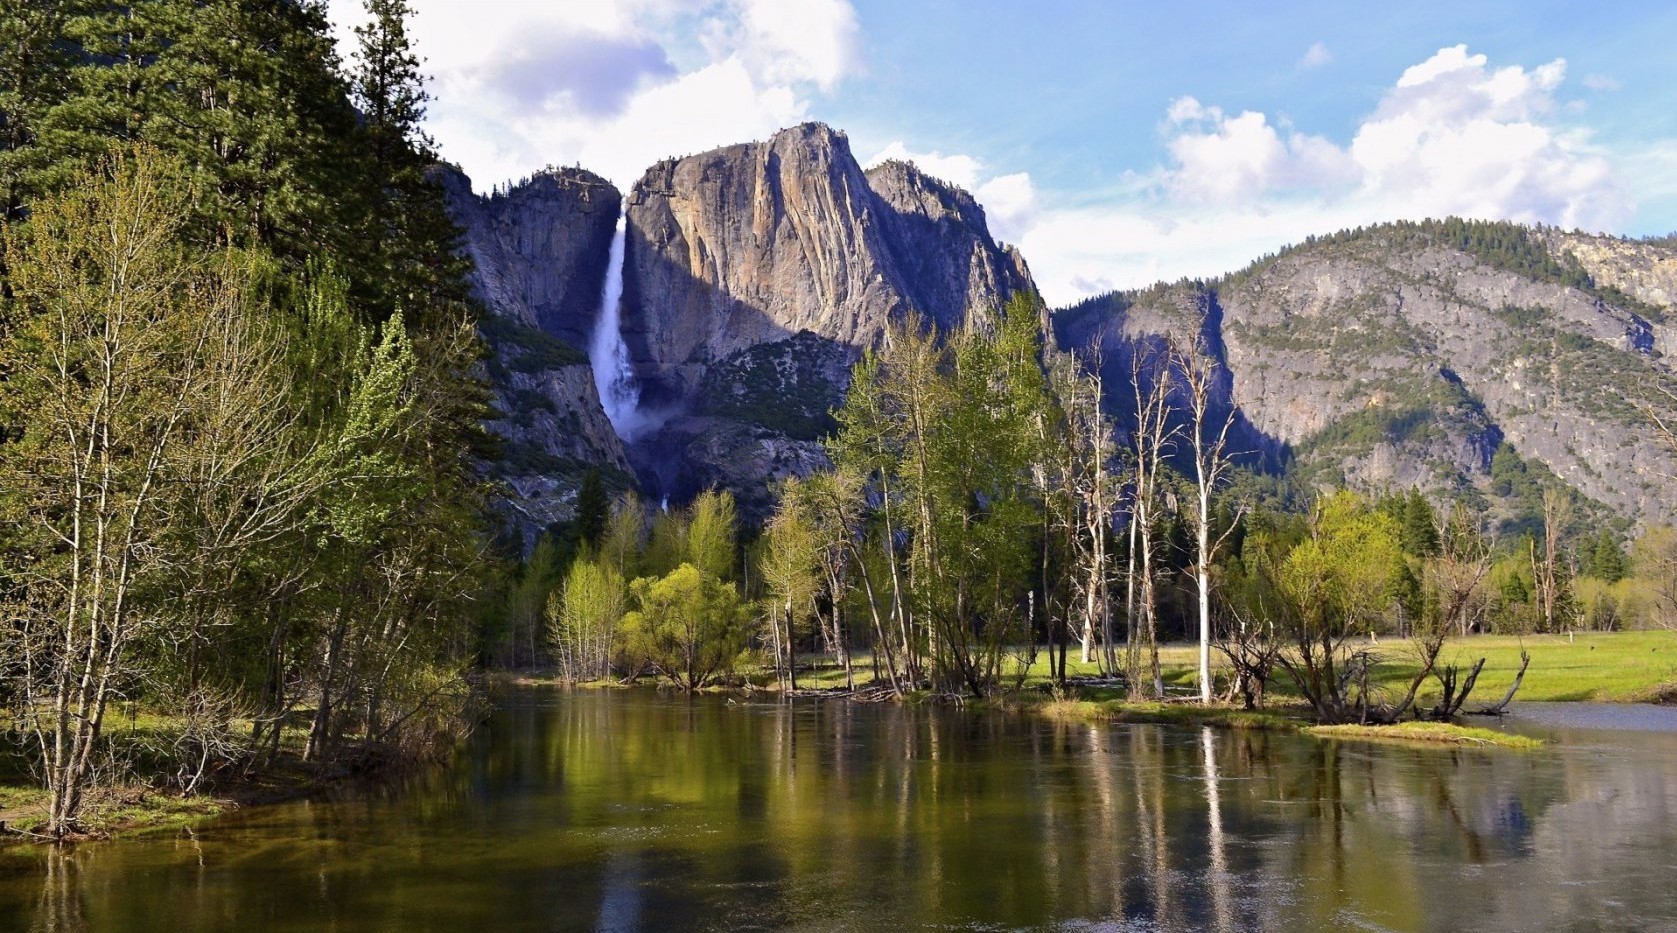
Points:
(1210, 437)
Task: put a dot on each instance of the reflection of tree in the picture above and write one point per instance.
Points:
(58, 909)
(1217, 877)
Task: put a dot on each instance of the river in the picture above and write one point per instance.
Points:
(624, 810)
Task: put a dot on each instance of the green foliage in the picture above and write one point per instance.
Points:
(1606, 560)
(786, 386)
(526, 349)
(592, 509)
(1348, 572)
(712, 529)
(689, 625)
(583, 617)
(1523, 483)
(329, 503)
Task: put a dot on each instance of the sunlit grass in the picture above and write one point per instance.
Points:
(1611, 667)
(1435, 733)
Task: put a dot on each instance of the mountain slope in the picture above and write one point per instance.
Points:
(1410, 354)
(735, 251)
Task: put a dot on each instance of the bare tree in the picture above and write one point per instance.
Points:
(1210, 436)
(1455, 581)
(1154, 439)
(1085, 476)
(1548, 571)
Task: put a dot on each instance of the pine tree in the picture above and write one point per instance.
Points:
(1420, 525)
(36, 56)
(410, 241)
(1606, 560)
(593, 508)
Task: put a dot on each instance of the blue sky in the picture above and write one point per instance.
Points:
(1116, 143)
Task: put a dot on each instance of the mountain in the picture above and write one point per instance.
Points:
(1473, 360)
(1477, 361)
(753, 275)
(539, 253)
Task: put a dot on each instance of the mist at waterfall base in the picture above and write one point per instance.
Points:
(614, 376)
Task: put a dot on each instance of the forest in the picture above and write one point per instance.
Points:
(985, 517)
(239, 511)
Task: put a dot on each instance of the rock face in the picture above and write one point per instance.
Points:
(741, 259)
(1642, 271)
(540, 248)
(751, 244)
(540, 252)
(1386, 361)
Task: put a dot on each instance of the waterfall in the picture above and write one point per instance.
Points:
(613, 375)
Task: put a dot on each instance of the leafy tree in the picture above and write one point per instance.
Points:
(790, 572)
(112, 379)
(583, 618)
(712, 527)
(1337, 583)
(688, 624)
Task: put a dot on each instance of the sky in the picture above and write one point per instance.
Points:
(1116, 143)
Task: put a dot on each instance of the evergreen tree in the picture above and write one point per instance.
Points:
(410, 242)
(1420, 525)
(1606, 561)
(593, 509)
(36, 55)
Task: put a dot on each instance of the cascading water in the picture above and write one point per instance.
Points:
(613, 374)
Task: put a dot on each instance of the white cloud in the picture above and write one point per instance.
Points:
(1597, 82)
(1010, 205)
(962, 170)
(616, 85)
(1452, 136)
(1315, 57)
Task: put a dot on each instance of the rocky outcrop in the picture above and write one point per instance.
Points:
(1381, 363)
(751, 244)
(540, 247)
(1644, 271)
(539, 251)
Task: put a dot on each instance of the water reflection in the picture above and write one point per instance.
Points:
(620, 811)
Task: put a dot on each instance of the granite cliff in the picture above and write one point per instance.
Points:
(1428, 354)
(539, 254)
(1416, 354)
(747, 247)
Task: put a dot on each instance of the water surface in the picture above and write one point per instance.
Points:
(627, 810)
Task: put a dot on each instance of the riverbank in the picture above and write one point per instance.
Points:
(1608, 667)
(133, 807)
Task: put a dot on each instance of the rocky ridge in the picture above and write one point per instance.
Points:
(1379, 361)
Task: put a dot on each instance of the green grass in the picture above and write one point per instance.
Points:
(1614, 667)
(1433, 733)
(1618, 667)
